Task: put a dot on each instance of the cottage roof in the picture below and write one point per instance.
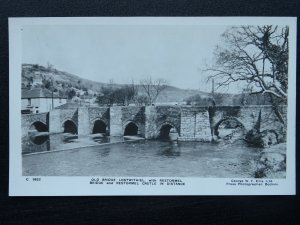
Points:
(39, 93)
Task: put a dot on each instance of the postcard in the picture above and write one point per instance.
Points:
(152, 106)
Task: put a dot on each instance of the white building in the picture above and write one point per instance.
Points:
(40, 100)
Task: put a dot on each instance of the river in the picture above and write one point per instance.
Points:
(136, 158)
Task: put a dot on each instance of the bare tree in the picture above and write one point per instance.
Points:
(255, 57)
(153, 88)
(141, 100)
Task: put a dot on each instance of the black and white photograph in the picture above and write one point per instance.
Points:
(171, 99)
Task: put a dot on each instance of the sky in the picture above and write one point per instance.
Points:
(124, 53)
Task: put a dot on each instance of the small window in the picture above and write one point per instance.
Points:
(59, 100)
(29, 101)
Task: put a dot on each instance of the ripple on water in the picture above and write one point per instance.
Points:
(144, 158)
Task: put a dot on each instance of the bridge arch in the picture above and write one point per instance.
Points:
(166, 129)
(131, 128)
(69, 126)
(99, 126)
(38, 126)
(229, 123)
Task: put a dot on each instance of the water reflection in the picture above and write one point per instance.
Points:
(169, 149)
(169, 152)
(104, 152)
(32, 144)
(101, 139)
(140, 158)
(40, 142)
(68, 138)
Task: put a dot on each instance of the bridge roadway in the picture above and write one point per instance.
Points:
(190, 122)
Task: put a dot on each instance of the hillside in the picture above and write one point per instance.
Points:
(30, 71)
(63, 82)
(70, 85)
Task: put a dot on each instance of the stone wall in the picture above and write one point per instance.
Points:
(191, 123)
(98, 113)
(195, 124)
(150, 126)
(59, 116)
(69, 114)
(28, 119)
(83, 121)
(157, 116)
(116, 121)
(136, 115)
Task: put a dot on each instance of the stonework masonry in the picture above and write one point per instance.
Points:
(195, 124)
(116, 121)
(55, 124)
(83, 121)
(98, 113)
(150, 126)
(190, 122)
(28, 120)
(135, 115)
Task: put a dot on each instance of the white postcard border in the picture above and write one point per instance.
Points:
(71, 186)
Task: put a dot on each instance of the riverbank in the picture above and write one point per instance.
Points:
(272, 162)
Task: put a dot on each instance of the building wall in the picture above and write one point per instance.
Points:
(41, 105)
(24, 103)
(34, 104)
(46, 103)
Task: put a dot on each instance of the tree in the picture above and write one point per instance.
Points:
(256, 57)
(200, 101)
(70, 93)
(126, 94)
(153, 88)
(48, 84)
(141, 100)
(116, 95)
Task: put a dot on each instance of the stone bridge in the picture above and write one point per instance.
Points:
(191, 123)
(37, 122)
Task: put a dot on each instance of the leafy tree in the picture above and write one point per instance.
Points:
(219, 98)
(70, 93)
(125, 95)
(122, 95)
(200, 101)
(105, 97)
(48, 84)
(31, 80)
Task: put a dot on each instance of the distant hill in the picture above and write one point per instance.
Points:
(63, 80)
(64, 83)
(30, 71)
